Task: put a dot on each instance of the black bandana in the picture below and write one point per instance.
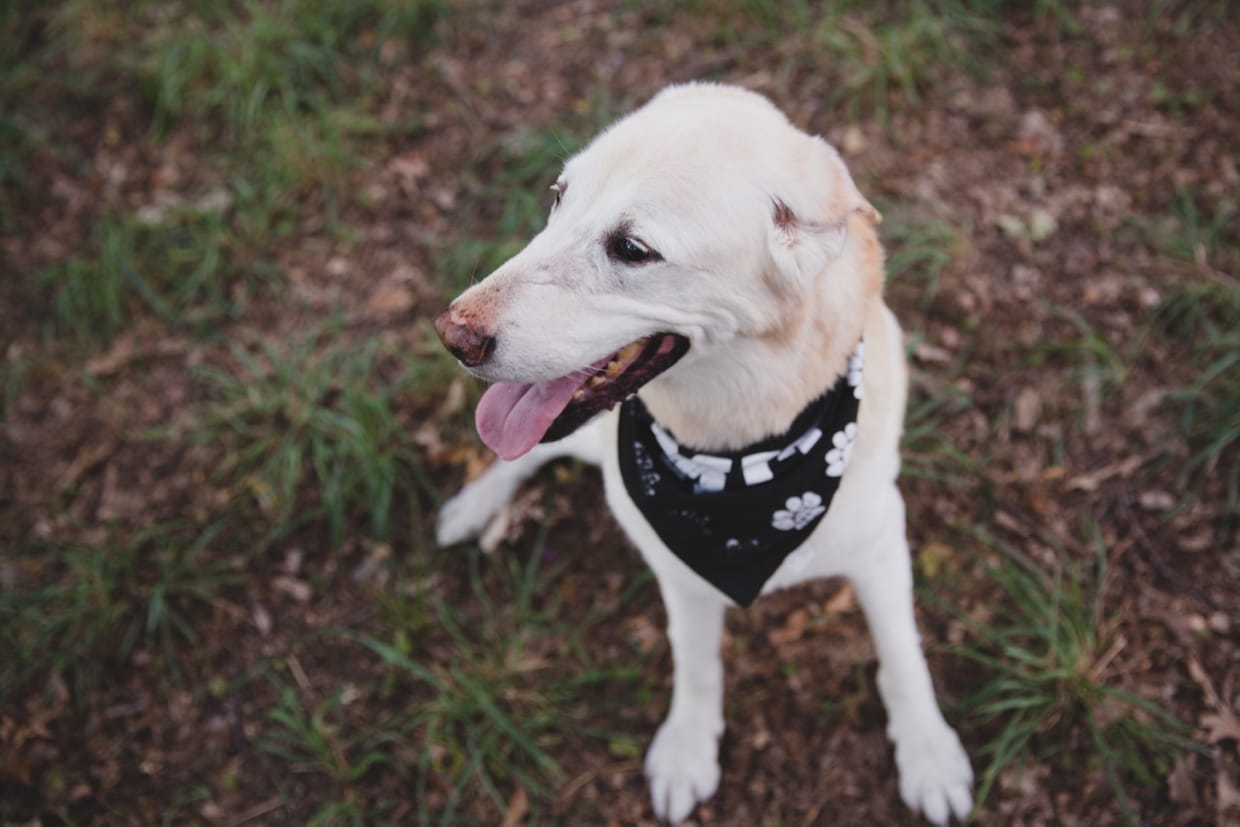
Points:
(733, 518)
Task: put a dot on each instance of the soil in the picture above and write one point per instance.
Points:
(1066, 126)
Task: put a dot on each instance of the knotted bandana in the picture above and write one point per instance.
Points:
(734, 518)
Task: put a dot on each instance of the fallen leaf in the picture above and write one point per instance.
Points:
(299, 590)
(933, 558)
(496, 530)
(844, 600)
(1180, 784)
(792, 630)
(1027, 410)
(518, 808)
(1156, 500)
(390, 299)
(1042, 225)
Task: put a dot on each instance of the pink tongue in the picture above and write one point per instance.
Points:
(512, 418)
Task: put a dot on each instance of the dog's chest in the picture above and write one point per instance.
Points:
(735, 518)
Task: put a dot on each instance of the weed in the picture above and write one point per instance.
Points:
(321, 740)
(20, 23)
(76, 610)
(1207, 237)
(1204, 319)
(12, 378)
(289, 56)
(926, 451)
(1046, 650)
(302, 415)
(919, 249)
(879, 57)
(1201, 322)
(488, 712)
(185, 269)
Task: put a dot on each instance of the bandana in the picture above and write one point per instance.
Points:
(734, 518)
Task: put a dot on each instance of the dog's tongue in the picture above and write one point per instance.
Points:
(512, 418)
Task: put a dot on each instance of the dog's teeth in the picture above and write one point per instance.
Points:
(577, 394)
(613, 368)
(595, 381)
(630, 351)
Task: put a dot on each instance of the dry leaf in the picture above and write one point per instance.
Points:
(1028, 410)
(518, 808)
(792, 630)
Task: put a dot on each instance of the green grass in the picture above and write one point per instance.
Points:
(919, 248)
(1201, 321)
(894, 52)
(1199, 324)
(321, 419)
(323, 741)
(1048, 689)
(279, 99)
(1204, 234)
(185, 267)
(76, 610)
(509, 681)
(20, 133)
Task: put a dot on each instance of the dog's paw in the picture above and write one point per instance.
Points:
(935, 777)
(683, 768)
(466, 516)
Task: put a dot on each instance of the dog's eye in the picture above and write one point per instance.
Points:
(558, 188)
(630, 250)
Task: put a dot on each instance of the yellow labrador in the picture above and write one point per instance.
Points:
(703, 318)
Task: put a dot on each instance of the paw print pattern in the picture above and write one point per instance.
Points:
(856, 369)
(841, 451)
(798, 512)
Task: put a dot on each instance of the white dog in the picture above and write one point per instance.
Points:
(710, 276)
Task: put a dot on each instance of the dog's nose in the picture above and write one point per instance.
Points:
(465, 341)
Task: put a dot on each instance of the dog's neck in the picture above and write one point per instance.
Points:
(753, 387)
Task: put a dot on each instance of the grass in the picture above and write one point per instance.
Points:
(1199, 322)
(880, 57)
(511, 682)
(1202, 320)
(324, 420)
(897, 53)
(927, 450)
(278, 97)
(919, 248)
(76, 610)
(323, 741)
(1049, 692)
(184, 266)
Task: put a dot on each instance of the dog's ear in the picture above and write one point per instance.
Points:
(809, 222)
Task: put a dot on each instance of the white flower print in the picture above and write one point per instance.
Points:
(798, 512)
(856, 369)
(837, 457)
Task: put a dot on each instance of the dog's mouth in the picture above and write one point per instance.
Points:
(512, 418)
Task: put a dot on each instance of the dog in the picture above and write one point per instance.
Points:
(703, 318)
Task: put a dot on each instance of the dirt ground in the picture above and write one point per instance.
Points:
(186, 647)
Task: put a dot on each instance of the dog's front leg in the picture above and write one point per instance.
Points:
(683, 763)
(466, 515)
(935, 776)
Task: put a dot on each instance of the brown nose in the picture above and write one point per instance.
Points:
(464, 340)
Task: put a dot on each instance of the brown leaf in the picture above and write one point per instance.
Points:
(390, 299)
(792, 630)
(1222, 723)
(1028, 410)
(1180, 784)
(518, 808)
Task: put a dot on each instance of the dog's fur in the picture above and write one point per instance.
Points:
(771, 267)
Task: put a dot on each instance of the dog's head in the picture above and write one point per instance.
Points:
(699, 219)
